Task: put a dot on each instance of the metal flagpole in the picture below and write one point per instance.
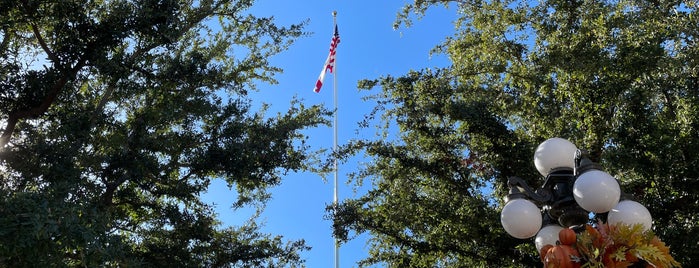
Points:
(337, 243)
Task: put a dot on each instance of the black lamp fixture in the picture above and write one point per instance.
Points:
(574, 189)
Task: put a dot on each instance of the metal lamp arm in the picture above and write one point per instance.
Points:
(520, 189)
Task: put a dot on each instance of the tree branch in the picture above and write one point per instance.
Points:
(15, 116)
(7, 35)
(103, 101)
(38, 36)
(43, 44)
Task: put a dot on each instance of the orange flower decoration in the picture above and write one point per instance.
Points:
(616, 246)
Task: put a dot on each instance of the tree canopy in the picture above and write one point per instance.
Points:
(116, 115)
(617, 78)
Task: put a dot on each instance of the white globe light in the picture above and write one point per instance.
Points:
(630, 212)
(521, 218)
(596, 191)
(554, 153)
(547, 236)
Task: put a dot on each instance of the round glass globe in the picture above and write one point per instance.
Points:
(630, 212)
(547, 236)
(521, 218)
(554, 153)
(596, 191)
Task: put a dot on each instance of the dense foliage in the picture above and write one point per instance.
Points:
(115, 116)
(617, 78)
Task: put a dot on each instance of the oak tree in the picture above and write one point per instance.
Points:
(618, 78)
(116, 115)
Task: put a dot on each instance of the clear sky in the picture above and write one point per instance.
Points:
(369, 48)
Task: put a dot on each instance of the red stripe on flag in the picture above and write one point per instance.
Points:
(319, 84)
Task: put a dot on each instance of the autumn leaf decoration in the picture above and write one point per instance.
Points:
(621, 245)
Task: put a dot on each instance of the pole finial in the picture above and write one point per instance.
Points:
(334, 13)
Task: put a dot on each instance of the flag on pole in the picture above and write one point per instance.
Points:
(329, 62)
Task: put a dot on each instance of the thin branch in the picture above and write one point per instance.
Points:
(103, 101)
(7, 36)
(38, 36)
(43, 44)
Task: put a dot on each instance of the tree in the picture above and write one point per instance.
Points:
(618, 78)
(116, 115)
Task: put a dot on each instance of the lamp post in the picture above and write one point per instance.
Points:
(574, 189)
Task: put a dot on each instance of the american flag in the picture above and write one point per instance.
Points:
(329, 62)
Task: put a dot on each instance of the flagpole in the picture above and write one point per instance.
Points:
(337, 243)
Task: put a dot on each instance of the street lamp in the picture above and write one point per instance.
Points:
(574, 189)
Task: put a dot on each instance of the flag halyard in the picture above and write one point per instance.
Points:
(329, 65)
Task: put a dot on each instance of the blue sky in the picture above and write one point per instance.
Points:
(369, 48)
